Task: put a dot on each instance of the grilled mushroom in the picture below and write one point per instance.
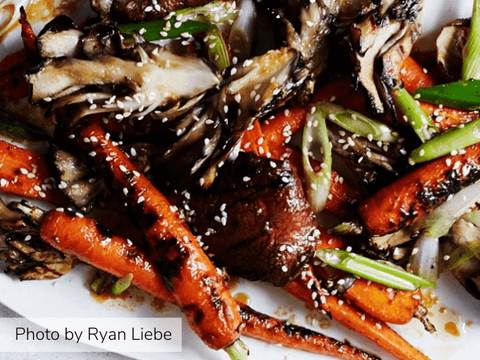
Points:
(379, 42)
(450, 43)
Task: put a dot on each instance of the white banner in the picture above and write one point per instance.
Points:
(101, 334)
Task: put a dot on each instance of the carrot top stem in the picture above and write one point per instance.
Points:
(237, 351)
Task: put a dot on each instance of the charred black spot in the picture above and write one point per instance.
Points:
(198, 314)
(104, 230)
(167, 270)
(293, 330)
(169, 260)
(143, 220)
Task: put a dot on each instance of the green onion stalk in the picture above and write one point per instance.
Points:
(358, 123)
(462, 94)
(187, 22)
(418, 119)
(122, 284)
(237, 351)
(447, 142)
(315, 139)
(471, 50)
(379, 271)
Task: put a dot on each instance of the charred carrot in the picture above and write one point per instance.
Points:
(386, 304)
(416, 193)
(262, 327)
(447, 117)
(341, 195)
(254, 141)
(285, 122)
(414, 76)
(25, 173)
(195, 282)
(82, 237)
(353, 318)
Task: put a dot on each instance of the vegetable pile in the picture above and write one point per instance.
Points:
(217, 139)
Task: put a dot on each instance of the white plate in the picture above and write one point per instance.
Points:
(69, 296)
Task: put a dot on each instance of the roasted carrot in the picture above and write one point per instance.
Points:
(353, 318)
(341, 196)
(254, 141)
(271, 137)
(414, 76)
(195, 282)
(386, 304)
(287, 121)
(415, 194)
(262, 327)
(25, 173)
(447, 117)
(81, 237)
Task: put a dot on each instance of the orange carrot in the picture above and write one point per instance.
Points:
(254, 141)
(414, 76)
(81, 237)
(196, 284)
(404, 201)
(353, 318)
(262, 327)
(341, 195)
(448, 117)
(386, 304)
(287, 121)
(272, 136)
(25, 173)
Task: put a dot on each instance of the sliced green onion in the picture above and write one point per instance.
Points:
(96, 285)
(191, 21)
(418, 119)
(165, 29)
(381, 272)
(237, 351)
(217, 49)
(447, 142)
(216, 12)
(186, 21)
(315, 139)
(471, 50)
(461, 255)
(462, 94)
(122, 284)
(358, 123)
